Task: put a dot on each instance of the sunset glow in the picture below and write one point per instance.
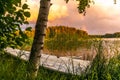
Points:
(57, 11)
(104, 14)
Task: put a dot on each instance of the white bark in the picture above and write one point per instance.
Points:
(37, 46)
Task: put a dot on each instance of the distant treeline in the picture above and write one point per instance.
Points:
(107, 35)
(53, 31)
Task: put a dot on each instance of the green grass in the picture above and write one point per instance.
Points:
(12, 68)
(103, 68)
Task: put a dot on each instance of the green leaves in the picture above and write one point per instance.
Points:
(25, 6)
(28, 29)
(27, 14)
(12, 15)
(83, 4)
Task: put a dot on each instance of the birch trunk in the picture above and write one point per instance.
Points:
(37, 46)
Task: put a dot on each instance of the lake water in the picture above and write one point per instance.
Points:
(111, 39)
(109, 46)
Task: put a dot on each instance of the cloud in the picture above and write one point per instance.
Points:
(57, 11)
(100, 18)
(83, 27)
(72, 18)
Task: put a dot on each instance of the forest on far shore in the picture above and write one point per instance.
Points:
(53, 31)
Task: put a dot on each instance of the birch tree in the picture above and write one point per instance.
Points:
(37, 46)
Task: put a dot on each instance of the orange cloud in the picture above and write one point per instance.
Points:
(34, 8)
(83, 27)
(100, 18)
(57, 11)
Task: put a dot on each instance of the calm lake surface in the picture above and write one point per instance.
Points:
(111, 39)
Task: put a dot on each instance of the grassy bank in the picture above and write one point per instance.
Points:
(12, 68)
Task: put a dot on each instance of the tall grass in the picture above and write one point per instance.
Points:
(12, 68)
(101, 67)
(15, 69)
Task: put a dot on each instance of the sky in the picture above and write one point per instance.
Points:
(101, 18)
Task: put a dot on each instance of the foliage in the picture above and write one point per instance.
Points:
(83, 4)
(12, 68)
(62, 42)
(114, 68)
(53, 31)
(71, 38)
(102, 68)
(114, 35)
(30, 33)
(63, 38)
(107, 35)
(12, 15)
(98, 68)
